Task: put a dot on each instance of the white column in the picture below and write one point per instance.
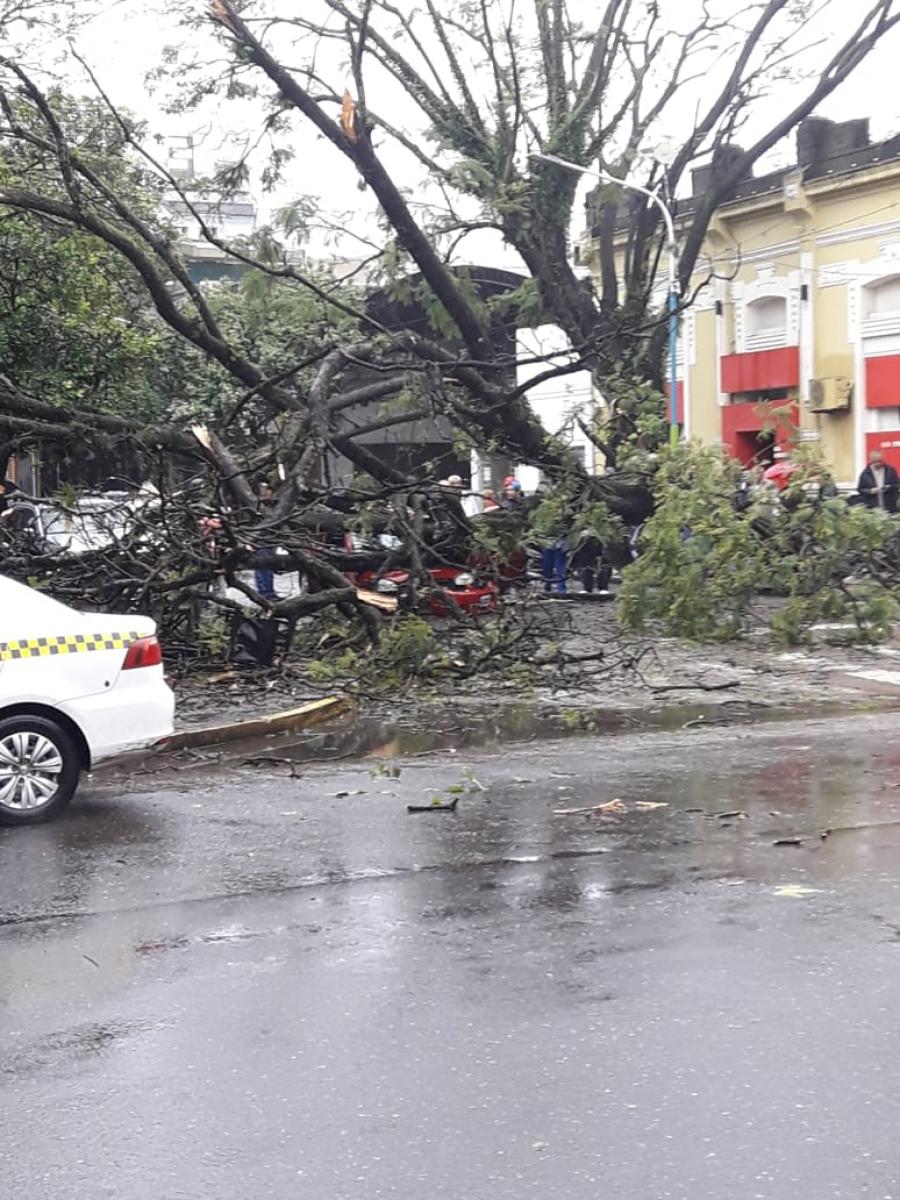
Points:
(807, 324)
(721, 299)
(689, 358)
(854, 336)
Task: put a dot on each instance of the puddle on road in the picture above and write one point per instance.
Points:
(68, 1048)
(476, 728)
(497, 727)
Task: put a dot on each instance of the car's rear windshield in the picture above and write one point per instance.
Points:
(17, 601)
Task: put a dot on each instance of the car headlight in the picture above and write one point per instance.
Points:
(387, 586)
(464, 580)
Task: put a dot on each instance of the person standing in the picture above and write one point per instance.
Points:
(589, 564)
(512, 495)
(265, 576)
(879, 483)
(550, 526)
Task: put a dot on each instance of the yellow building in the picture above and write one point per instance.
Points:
(800, 305)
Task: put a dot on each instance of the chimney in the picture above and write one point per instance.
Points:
(724, 160)
(819, 139)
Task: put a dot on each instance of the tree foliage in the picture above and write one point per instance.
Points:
(470, 96)
(439, 115)
(706, 564)
(72, 325)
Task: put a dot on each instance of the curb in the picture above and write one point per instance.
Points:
(292, 719)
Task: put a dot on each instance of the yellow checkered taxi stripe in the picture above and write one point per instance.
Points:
(65, 643)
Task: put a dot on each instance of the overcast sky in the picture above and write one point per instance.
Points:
(126, 42)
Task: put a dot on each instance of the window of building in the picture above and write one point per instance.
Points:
(882, 297)
(770, 396)
(767, 315)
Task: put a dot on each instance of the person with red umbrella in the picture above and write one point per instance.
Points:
(780, 473)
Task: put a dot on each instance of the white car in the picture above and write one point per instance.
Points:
(75, 689)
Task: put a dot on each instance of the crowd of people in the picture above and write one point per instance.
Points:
(561, 556)
(878, 486)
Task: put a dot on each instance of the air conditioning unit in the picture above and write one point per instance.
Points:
(829, 395)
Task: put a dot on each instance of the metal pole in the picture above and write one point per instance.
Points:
(672, 297)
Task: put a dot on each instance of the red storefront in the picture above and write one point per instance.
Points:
(753, 421)
(883, 391)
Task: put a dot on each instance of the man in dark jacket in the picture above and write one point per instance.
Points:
(879, 483)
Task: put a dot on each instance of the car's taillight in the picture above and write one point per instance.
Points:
(145, 652)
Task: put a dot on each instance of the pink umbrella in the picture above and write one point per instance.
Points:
(780, 473)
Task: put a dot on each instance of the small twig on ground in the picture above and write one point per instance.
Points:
(611, 806)
(424, 808)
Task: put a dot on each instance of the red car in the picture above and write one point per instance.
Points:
(471, 594)
(469, 586)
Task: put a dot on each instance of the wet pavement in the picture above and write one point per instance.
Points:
(249, 984)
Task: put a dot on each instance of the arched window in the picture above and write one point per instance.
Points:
(767, 316)
(882, 297)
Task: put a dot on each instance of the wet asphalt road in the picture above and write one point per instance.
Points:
(242, 987)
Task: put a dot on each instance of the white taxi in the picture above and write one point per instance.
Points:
(75, 689)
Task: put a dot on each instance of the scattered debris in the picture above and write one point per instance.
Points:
(344, 795)
(224, 677)
(92, 961)
(386, 772)
(377, 600)
(788, 841)
(737, 814)
(795, 891)
(172, 943)
(614, 807)
(434, 806)
(611, 806)
(268, 761)
(696, 685)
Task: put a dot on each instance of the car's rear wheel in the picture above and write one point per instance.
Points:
(39, 769)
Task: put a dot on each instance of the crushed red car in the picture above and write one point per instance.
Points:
(473, 595)
(471, 589)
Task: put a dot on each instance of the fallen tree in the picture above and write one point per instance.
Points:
(282, 410)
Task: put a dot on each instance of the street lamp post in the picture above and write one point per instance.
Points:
(672, 299)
